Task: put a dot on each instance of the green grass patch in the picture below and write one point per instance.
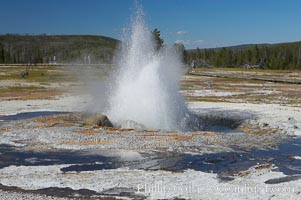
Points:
(205, 99)
(20, 89)
(42, 74)
(244, 70)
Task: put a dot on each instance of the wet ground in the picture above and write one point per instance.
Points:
(283, 157)
(226, 164)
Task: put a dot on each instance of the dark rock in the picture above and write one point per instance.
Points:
(99, 120)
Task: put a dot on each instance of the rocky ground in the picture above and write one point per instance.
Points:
(248, 150)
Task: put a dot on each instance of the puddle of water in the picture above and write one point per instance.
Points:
(225, 164)
(15, 156)
(89, 167)
(28, 115)
(223, 129)
(230, 163)
(283, 179)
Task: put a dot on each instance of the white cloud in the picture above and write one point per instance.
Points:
(190, 42)
(185, 42)
(199, 41)
(181, 32)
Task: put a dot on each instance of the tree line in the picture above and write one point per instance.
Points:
(277, 56)
(16, 48)
(77, 48)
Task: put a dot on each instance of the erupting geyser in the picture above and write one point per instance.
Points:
(146, 88)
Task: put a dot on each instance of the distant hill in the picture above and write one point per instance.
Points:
(56, 48)
(267, 56)
(242, 46)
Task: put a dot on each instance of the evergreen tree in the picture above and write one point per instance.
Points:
(157, 38)
(1, 54)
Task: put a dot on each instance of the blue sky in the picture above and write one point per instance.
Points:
(196, 23)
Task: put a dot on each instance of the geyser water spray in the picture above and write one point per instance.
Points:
(146, 87)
